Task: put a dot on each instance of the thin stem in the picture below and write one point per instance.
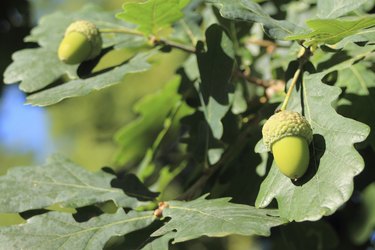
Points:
(154, 40)
(189, 32)
(302, 60)
(290, 90)
(122, 30)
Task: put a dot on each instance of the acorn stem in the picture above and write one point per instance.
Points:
(156, 41)
(289, 93)
(302, 60)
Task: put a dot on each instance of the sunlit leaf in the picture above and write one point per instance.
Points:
(331, 31)
(42, 63)
(29, 68)
(153, 16)
(59, 181)
(334, 160)
(80, 87)
(336, 8)
(60, 231)
(216, 218)
(247, 10)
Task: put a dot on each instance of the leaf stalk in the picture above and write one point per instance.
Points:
(302, 60)
(153, 39)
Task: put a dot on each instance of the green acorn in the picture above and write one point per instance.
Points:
(287, 135)
(82, 41)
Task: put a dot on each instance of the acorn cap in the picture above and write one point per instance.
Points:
(283, 124)
(91, 32)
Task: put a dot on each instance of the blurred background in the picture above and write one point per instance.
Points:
(28, 135)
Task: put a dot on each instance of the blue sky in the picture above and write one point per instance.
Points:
(23, 128)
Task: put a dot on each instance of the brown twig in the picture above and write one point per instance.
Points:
(246, 75)
(153, 40)
(264, 83)
(269, 45)
(261, 42)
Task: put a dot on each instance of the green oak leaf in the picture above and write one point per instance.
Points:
(39, 67)
(358, 80)
(56, 230)
(334, 161)
(51, 28)
(59, 181)
(362, 222)
(80, 87)
(29, 67)
(336, 8)
(215, 67)
(153, 16)
(366, 35)
(216, 218)
(247, 10)
(136, 137)
(331, 31)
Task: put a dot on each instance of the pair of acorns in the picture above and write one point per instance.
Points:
(286, 134)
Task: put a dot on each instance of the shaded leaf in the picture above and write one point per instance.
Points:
(362, 223)
(136, 137)
(166, 176)
(336, 8)
(133, 187)
(307, 236)
(247, 10)
(60, 231)
(80, 87)
(160, 243)
(359, 83)
(215, 68)
(331, 31)
(216, 218)
(58, 181)
(153, 16)
(200, 142)
(334, 160)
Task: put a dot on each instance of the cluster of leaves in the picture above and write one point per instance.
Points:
(203, 127)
